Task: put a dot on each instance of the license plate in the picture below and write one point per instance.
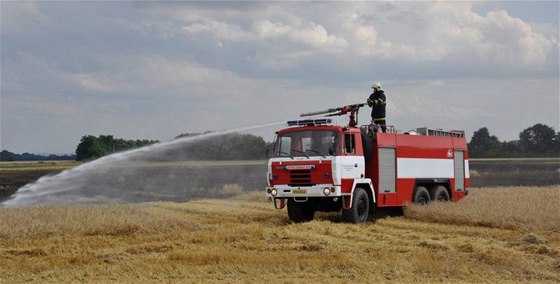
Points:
(299, 191)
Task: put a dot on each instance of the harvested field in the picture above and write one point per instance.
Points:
(517, 208)
(245, 240)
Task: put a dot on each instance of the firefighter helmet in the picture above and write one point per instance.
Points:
(376, 86)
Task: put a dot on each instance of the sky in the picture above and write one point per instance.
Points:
(154, 70)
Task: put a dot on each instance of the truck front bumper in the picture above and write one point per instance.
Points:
(285, 191)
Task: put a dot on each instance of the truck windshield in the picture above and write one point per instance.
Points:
(307, 143)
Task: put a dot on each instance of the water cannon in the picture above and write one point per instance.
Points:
(352, 109)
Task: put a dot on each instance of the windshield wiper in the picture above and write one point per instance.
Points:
(302, 152)
(287, 155)
(315, 151)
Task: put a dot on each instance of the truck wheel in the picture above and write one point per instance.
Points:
(439, 193)
(300, 211)
(421, 196)
(360, 207)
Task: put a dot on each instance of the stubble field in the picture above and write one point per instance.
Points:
(494, 235)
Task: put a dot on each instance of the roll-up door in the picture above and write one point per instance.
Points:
(387, 170)
(459, 165)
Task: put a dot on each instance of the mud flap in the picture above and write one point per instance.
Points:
(280, 204)
(347, 202)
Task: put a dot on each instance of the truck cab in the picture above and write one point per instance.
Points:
(314, 166)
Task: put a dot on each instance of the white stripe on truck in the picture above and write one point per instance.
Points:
(424, 168)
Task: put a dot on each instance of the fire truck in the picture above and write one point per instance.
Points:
(317, 166)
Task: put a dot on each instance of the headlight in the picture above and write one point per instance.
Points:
(326, 191)
(273, 192)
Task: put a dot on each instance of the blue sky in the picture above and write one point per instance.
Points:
(157, 69)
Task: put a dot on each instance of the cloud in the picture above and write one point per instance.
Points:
(439, 31)
(91, 82)
(426, 32)
(506, 39)
(218, 29)
(22, 18)
(311, 35)
(289, 42)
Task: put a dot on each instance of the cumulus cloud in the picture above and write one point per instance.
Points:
(311, 35)
(439, 31)
(417, 32)
(506, 39)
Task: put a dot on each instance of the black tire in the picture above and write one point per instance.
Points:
(360, 207)
(421, 196)
(300, 211)
(439, 193)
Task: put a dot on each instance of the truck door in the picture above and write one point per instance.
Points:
(353, 165)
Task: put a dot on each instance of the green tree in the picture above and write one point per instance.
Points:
(539, 140)
(90, 147)
(510, 149)
(108, 142)
(484, 145)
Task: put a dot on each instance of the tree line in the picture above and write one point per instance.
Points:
(539, 140)
(91, 147)
(233, 146)
(7, 156)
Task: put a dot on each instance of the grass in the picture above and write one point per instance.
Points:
(517, 208)
(244, 239)
(38, 165)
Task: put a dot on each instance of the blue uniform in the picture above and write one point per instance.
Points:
(377, 102)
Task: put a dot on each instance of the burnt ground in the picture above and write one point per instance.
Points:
(489, 173)
(150, 182)
(11, 180)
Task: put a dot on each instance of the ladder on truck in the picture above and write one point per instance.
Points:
(440, 132)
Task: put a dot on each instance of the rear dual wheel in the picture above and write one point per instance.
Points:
(439, 193)
(421, 196)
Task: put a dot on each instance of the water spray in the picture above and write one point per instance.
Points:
(93, 181)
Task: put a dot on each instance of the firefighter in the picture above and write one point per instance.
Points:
(377, 102)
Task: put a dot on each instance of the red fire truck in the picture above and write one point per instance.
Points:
(318, 166)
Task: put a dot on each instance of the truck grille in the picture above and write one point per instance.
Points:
(300, 178)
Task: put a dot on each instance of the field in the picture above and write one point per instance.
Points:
(484, 238)
(515, 172)
(14, 175)
(496, 234)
